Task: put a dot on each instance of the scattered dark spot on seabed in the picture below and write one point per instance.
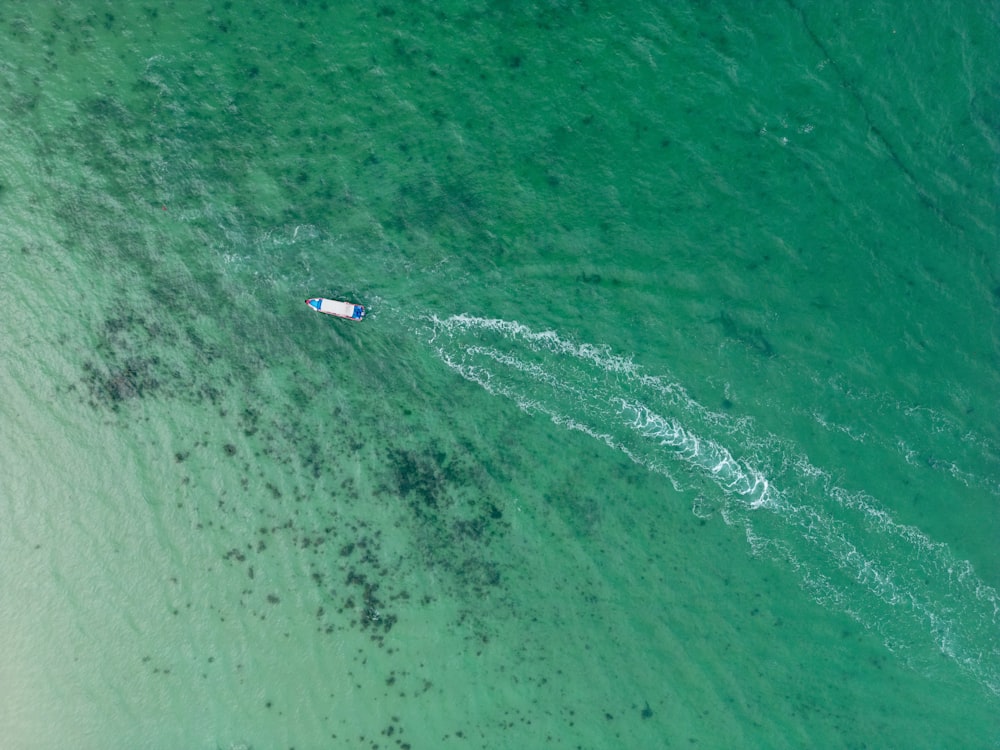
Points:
(443, 493)
(923, 194)
(751, 337)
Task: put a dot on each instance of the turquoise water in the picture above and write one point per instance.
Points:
(673, 421)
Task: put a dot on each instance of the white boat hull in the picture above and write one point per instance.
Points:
(346, 310)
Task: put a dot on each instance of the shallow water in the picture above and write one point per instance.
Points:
(673, 419)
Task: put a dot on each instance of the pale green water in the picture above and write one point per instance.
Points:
(738, 269)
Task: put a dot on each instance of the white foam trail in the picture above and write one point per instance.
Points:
(850, 554)
(927, 427)
(730, 474)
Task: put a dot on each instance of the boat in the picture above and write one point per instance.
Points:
(337, 308)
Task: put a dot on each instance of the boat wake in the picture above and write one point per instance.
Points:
(848, 551)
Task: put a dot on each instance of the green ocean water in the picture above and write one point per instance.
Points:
(673, 421)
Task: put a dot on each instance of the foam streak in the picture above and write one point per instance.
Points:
(849, 553)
